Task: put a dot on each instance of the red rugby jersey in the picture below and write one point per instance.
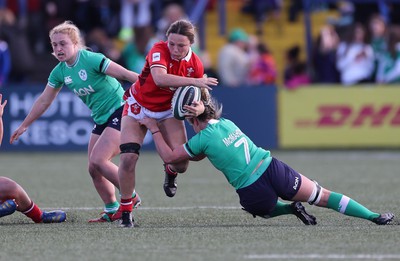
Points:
(155, 98)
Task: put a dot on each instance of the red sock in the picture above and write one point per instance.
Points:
(34, 213)
(126, 205)
(170, 171)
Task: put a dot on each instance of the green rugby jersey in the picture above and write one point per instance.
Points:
(230, 151)
(87, 79)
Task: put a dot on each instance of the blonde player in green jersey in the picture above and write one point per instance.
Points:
(259, 178)
(93, 78)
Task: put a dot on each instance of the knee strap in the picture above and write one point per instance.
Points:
(131, 147)
(316, 195)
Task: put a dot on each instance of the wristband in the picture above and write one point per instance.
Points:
(155, 132)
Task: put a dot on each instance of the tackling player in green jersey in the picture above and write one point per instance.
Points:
(259, 178)
(93, 78)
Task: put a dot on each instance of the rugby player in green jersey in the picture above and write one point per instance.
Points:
(93, 78)
(258, 177)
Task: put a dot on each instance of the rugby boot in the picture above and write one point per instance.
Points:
(56, 216)
(111, 217)
(384, 219)
(300, 212)
(7, 207)
(126, 220)
(170, 184)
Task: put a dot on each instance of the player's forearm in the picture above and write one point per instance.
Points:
(162, 147)
(170, 80)
(38, 109)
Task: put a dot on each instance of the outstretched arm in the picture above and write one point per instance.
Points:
(117, 71)
(39, 107)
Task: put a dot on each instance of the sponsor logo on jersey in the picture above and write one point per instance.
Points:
(84, 91)
(156, 57)
(67, 80)
(83, 75)
(296, 183)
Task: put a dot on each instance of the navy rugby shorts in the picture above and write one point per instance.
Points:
(278, 180)
(113, 122)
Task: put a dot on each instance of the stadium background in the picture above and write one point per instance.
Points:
(314, 117)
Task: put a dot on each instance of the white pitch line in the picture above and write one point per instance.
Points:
(325, 257)
(149, 208)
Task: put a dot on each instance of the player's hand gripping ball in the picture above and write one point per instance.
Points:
(184, 96)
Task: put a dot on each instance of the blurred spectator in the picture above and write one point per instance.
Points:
(91, 14)
(377, 38)
(355, 58)
(171, 13)
(22, 60)
(5, 63)
(296, 73)
(346, 13)
(389, 62)
(233, 60)
(263, 70)
(364, 10)
(208, 66)
(134, 13)
(295, 7)
(134, 52)
(324, 56)
(394, 13)
(29, 17)
(261, 9)
(56, 12)
(377, 32)
(98, 41)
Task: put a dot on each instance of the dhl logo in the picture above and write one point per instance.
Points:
(337, 115)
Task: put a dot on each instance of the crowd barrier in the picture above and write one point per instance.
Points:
(67, 124)
(312, 117)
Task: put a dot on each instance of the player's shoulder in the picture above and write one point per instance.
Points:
(160, 45)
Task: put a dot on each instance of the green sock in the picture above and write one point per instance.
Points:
(111, 207)
(281, 209)
(349, 207)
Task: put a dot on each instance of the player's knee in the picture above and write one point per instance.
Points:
(130, 147)
(316, 194)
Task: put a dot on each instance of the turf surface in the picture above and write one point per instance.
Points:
(204, 220)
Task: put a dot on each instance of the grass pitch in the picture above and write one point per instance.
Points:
(204, 220)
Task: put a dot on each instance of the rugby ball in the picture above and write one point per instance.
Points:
(184, 96)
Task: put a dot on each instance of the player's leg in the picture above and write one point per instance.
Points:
(7, 196)
(261, 197)
(285, 181)
(9, 189)
(132, 135)
(311, 192)
(174, 133)
(100, 151)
